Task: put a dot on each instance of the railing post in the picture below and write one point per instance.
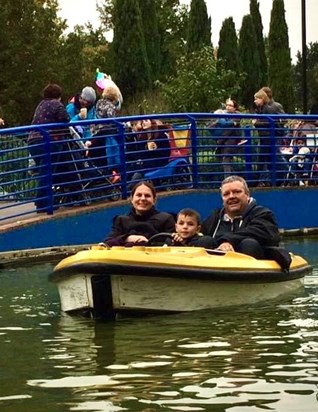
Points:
(248, 154)
(48, 177)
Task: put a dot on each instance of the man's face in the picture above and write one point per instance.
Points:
(235, 199)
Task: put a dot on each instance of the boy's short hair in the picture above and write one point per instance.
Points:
(191, 213)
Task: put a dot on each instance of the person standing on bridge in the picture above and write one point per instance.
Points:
(49, 110)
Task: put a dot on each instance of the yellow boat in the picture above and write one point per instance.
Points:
(104, 282)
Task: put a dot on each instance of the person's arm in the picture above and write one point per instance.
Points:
(117, 234)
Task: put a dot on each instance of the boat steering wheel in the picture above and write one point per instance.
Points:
(155, 239)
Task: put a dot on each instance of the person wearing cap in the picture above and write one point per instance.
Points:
(82, 107)
(263, 106)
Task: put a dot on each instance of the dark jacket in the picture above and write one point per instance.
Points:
(50, 111)
(263, 124)
(149, 224)
(257, 223)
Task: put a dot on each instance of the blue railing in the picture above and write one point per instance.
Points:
(64, 171)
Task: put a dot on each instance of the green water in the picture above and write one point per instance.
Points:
(261, 358)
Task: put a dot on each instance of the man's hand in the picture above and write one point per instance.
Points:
(226, 247)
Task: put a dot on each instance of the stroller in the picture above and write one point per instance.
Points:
(76, 178)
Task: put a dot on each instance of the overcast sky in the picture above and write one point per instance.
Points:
(82, 11)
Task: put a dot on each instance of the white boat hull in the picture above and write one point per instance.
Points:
(159, 294)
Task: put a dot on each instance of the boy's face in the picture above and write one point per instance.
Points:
(187, 226)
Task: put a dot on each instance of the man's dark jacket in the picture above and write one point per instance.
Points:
(257, 222)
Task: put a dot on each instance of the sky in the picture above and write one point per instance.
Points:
(82, 11)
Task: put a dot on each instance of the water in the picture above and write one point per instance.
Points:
(261, 358)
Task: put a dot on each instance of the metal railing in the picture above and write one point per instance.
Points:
(47, 167)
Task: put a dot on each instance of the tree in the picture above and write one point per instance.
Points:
(250, 61)
(30, 37)
(312, 76)
(228, 53)
(173, 23)
(149, 17)
(199, 28)
(198, 86)
(82, 51)
(258, 26)
(280, 68)
(132, 71)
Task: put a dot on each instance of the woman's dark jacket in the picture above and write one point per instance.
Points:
(148, 224)
(257, 222)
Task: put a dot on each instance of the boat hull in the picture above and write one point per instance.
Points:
(104, 287)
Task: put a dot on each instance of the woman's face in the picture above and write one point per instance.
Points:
(143, 199)
(230, 107)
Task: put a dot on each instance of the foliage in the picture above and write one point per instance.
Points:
(172, 24)
(198, 86)
(250, 61)
(280, 69)
(228, 54)
(132, 71)
(150, 26)
(30, 34)
(312, 76)
(258, 27)
(199, 27)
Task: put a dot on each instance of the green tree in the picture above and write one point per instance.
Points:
(258, 26)
(30, 38)
(132, 71)
(228, 52)
(312, 76)
(152, 37)
(82, 52)
(280, 75)
(198, 86)
(199, 27)
(250, 61)
(173, 23)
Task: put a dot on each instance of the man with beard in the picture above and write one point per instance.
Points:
(241, 225)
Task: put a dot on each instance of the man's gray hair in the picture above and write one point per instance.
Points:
(235, 178)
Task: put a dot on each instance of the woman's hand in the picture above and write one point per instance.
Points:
(136, 239)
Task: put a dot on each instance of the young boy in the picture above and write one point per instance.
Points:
(188, 231)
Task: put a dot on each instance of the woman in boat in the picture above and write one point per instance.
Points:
(142, 221)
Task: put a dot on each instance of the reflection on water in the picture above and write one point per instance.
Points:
(248, 359)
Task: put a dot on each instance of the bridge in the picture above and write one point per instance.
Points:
(87, 185)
